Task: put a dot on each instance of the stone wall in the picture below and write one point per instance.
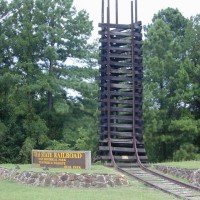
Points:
(64, 179)
(192, 175)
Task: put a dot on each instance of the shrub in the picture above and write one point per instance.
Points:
(186, 152)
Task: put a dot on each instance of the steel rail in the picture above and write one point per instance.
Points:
(146, 182)
(133, 76)
(102, 12)
(171, 180)
(116, 11)
(108, 85)
(136, 11)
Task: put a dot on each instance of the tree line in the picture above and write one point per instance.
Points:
(40, 39)
(172, 86)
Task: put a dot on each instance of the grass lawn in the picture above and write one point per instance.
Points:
(95, 169)
(183, 164)
(137, 191)
(10, 190)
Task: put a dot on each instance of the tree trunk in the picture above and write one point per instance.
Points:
(50, 96)
(50, 101)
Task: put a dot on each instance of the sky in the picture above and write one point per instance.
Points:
(146, 9)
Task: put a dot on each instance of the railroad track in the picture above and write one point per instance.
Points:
(120, 122)
(158, 181)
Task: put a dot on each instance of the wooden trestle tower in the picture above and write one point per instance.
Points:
(121, 72)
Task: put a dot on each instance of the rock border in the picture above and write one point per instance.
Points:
(68, 180)
(192, 175)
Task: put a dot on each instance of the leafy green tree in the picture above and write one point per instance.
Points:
(39, 40)
(187, 151)
(170, 122)
(192, 42)
(192, 50)
(174, 19)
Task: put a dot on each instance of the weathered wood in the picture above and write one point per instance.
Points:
(121, 134)
(120, 56)
(121, 71)
(122, 158)
(120, 49)
(118, 41)
(117, 33)
(121, 86)
(117, 125)
(121, 26)
(104, 85)
(118, 109)
(120, 33)
(125, 64)
(121, 149)
(121, 78)
(119, 117)
(117, 141)
(119, 93)
(120, 101)
(122, 117)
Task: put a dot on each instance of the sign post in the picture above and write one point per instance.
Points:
(61, 159)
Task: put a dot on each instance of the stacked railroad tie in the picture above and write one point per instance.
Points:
(121, 90)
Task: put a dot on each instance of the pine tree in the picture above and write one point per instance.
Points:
(39, 38)
(170, 124)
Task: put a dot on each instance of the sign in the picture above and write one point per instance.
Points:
(61, 159)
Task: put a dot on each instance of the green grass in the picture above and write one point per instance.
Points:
(137, 191)
(183, 164)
